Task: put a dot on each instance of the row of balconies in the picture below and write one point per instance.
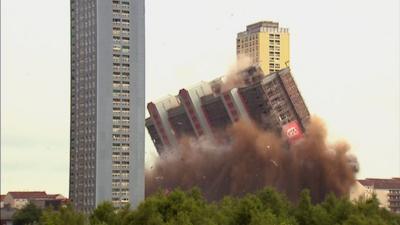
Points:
(120, 60)
(120, 77)
(120, 69)
(120, 122)
(121, 15)
(121, 139)
(120, 104)
(123, 148)
(120, 158)
(119, 95)
(121, 24)
(120, 166)
(120, 6)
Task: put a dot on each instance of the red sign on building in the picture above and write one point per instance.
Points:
(292, 131)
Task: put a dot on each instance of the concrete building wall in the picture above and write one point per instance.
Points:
(241, 108)
(294, 96)
(264, 99)
(394, 199)
(83, 130)
(382, 195)
(107, 102)
(284, 50)
(387, 192)
(9, 200)
(137, 106)
(257, 106)
(104, 97)
(216, 113)
(358, 191)
(20, 203)
(162, 107)
(17, 203)
(180, 122)
(195, 94)
(155, 136)
(262, 52)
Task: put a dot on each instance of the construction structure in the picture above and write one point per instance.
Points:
(272, 101)
(265, 44)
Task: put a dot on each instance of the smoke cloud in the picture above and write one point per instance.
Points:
(233, 77)
(245, 158)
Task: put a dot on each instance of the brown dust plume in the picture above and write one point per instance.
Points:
(233, 78)
(245, 159)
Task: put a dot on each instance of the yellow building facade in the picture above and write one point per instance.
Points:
(265, 44)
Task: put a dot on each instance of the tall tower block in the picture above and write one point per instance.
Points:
(107, 103)
(266, 44)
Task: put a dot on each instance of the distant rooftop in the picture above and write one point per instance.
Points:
(257, 26)
(32, 195)
(28, 194)
(263, 26)
(393, 183)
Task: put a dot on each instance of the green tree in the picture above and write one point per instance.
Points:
(64, 216)
(338, 209)
(178, 207)
(308, 214)
(304, 209)
(29, 214)
(247, 208)
(275, 201)
(266, 207)
(104, 214)
(368, 212)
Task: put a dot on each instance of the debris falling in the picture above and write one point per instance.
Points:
(245, 159)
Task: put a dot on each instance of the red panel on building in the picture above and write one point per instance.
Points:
(292, 131)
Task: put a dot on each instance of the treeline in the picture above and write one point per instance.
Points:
(266, 207)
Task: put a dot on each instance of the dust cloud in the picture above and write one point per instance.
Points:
(245, 158)
(234, 77)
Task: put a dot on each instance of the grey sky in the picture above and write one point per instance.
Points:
(344, 56)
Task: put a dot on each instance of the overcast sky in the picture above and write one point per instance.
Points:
(344, 57)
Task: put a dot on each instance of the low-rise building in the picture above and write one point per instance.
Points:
(18, 199)
(387, 192)
(15, 200)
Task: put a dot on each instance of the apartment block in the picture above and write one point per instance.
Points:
(266, 44)
(107, 103)
(272, 101)
(387, 192)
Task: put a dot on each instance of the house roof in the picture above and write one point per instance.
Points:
(28, 194)
(55, 196)
(381, 183)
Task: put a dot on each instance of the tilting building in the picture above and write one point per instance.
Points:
(273, 102)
